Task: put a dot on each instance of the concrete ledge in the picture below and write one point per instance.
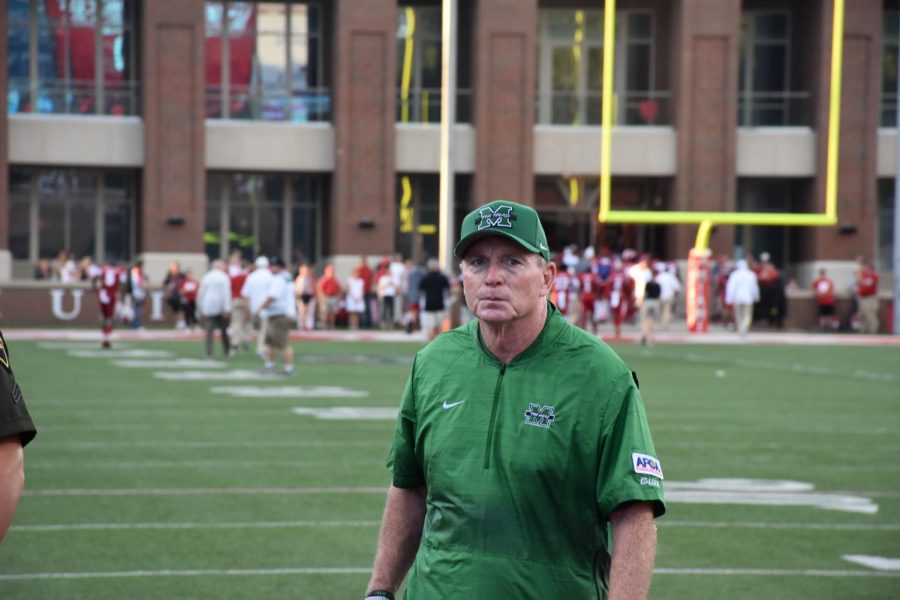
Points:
(776, 152)
(570, 151)
(418, 148)
(266, 146)
(887, 152)
(63, 140)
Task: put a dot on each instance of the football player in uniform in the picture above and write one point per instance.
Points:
(107, 280)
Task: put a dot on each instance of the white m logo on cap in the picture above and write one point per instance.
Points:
(502, 217)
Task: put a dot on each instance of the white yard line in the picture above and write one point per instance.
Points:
(186, 573)
(362, 523)
(235, 525)
(367, 570)
(191, 464)
(203, 491)
(765, 525)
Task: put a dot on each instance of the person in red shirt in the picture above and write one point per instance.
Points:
(329, 296)
(823, 288)
(589, 285)
(867, 298)
(620, 290)
(189, 288)
(364, 272)
(564, 291)
(107, 281)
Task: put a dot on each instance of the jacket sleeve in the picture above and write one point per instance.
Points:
(402, 460)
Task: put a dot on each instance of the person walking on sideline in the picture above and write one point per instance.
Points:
(255, 289)
(214, 304)
(742, 292)
(435, 288)
(523, 465)
(281, 315)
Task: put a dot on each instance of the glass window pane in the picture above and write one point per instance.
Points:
(117, 231)
(637, 78)
(19, 228)
(303, 235)
(113, 15)
(428, 22)
(82, 13)
(595, 68)
(51, 227)
(560, 24)
(769, 68)
(430, 58)
(271, 228)
(82, 227)
(593, 25)
(271, 17)
(771, 27)
(639, 26)
(565, 77)
(299, 63)
(212, 234)
(891, 25)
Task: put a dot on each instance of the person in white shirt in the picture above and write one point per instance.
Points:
(281, 315)
(355, 300)
(214, 303)
(255, 289)
(670, 289)
(741, 292)
(397, 269)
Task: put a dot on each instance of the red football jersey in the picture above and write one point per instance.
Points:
(189, 288)
(107, 281)
(868, 283)
(823, 288)
(590, 285)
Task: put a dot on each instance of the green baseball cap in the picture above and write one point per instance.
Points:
(516, 221)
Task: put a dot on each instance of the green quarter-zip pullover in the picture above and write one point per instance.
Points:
(523, 464)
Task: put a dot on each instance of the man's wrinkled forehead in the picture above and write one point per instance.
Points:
(495, 245)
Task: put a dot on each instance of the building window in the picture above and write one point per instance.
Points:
(269, 214)
(570, 69)
(884, 245)
(765, 96)
(890, 43)
(265, 61)
(419, 68)
(418, 213)
(72, 57)
(83, 211)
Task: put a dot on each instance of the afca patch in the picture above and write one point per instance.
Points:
(646, 464)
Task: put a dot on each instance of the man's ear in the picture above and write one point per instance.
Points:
(549, 274)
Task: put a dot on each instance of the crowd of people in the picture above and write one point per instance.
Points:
(590, 289)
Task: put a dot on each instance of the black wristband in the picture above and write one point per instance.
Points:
(379, 594)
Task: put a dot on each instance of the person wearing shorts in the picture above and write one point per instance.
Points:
(281, 314)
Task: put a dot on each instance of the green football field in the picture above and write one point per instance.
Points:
(156, 474)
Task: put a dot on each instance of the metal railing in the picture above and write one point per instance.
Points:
(423, 105)
(585, 108)
(774, 109)
(257, 104)
(75, 97)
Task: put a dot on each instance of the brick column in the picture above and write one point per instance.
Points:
(5, 256)
(857, 195)
(504, 64)
(172, 212)
(707, 54)
(362, 211)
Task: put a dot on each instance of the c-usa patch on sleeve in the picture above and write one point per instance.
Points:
(646, 464)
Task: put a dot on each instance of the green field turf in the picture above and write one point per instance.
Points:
(141, 487)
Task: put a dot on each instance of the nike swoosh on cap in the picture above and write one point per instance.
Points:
(451, 405)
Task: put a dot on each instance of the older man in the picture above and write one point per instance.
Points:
(523, 465)
(214, 304)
